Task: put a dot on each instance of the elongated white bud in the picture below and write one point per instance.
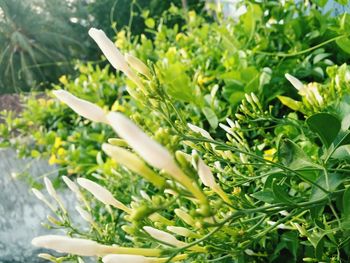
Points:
(208, 180)
(125, 259)
(294, 81)
(205, 174)
(52, 192)
(86, 247)
(113, 55)
(109, 49)
(133, 163)
(63, 244)
(71, 185)
(138, 65)
(49, 187)
(199, 130)
(42, 198)
(163, 236)
(151, 151)
(84, 108)
(226, 128)
(84, 214)
(184, 216)
(102, 194)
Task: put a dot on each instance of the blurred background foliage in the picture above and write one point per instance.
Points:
(41, 39)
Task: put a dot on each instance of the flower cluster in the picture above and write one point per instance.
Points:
(145, 158)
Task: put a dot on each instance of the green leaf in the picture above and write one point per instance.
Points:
(342, 153)
(265, 196)
(344, 44)
(293, 156)
(342, 2)
(280, 194)
(321, 3)
(334, 180)
(325, 125)
(177, 83)
(346, 209)
(211, 117)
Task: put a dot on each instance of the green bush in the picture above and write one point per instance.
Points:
(279, 153)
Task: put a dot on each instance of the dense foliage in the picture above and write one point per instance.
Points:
(278, 146)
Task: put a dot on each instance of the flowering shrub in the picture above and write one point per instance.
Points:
(224, 201)
(207, 166)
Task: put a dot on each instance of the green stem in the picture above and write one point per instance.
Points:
(302, 51)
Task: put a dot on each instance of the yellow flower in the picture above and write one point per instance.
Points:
(61, 152)
(269, 154)
(63, 79)
(58, 142)
(53, 160)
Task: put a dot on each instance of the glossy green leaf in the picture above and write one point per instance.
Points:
(334, 180)
(280, 193)
(342, 152)
(291, 155)
(344, 44)
(265, 196)
(326, 125)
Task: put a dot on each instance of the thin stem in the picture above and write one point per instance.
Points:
(300, 52)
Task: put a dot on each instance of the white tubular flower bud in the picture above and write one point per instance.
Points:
(63, 244)
(113, 55)
(199, 130)
(184, 216)
(49, 187)
(295, 82)
(126, 259)
(182, 231)
(138, 65)
(145, 195)
(86, 247)
(102, 194)
(109, 49)
(85, 215)
(163, 236)
(208, 180)
(72, 186)
(151, 151)
(230, 122)
(84, 108)
(205, 174)
(133, 163)
(42, 198)
(52, 192)
(226, 128)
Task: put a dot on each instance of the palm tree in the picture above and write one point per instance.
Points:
(37, 41)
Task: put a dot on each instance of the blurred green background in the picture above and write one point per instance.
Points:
(41, 39)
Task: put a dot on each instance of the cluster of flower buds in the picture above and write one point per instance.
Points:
(310, 94)
(146, 153)
(250, 106)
